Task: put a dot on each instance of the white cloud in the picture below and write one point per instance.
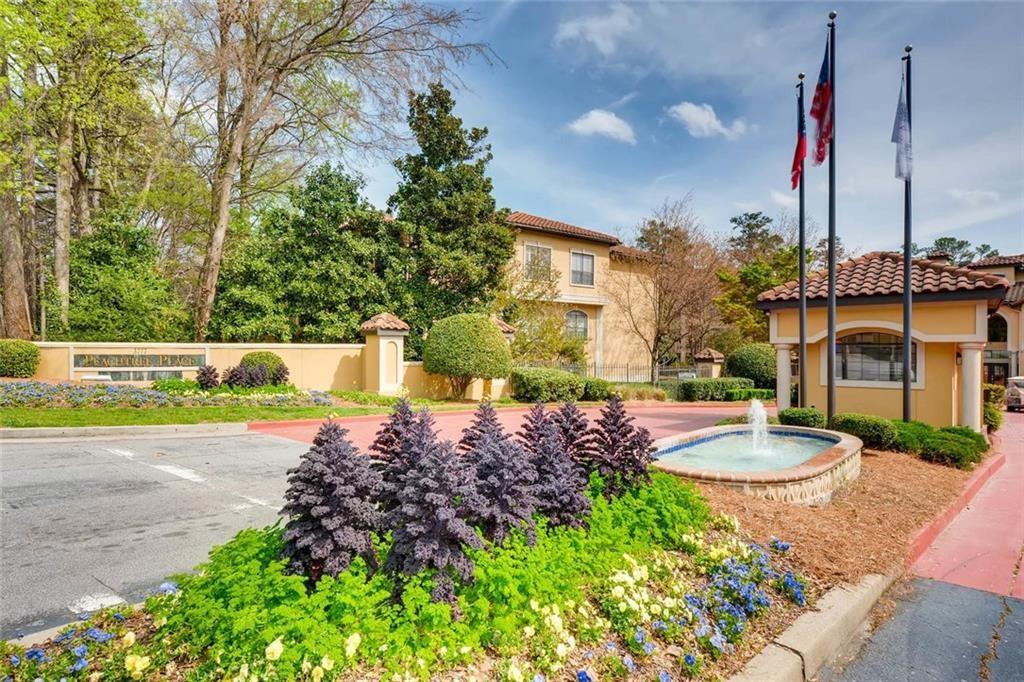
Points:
(747, 206)
(625, 99)
(973, 197)
(783, 199)
(702, 121)
(604, 123)
(603, 31)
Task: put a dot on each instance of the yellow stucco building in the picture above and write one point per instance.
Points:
(951, 309)
(1006, 324)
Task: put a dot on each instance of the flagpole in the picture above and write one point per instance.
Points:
(831, 365)
(802, 400)
(907, 281)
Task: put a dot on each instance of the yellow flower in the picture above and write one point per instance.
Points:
(534, 605)
(529, 632)
(160, 622)
(95, 677)
(327, 663)
(514, 672)
(274, 650)
(352, 643)
(317, 674)
(561, 650)
(655, 609)
(128, 639)
(136, 665)
(622, 606)
(618, 591)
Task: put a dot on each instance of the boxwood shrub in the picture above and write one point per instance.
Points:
(910, 436)
(533, 384)
(465, 347)
(755, 361)
(950, 448)
(710, 389)
(272, 361)
(742, 419)
(978, 439)
(994, 394)
(876, 432)
(803, 416)
(737, 394)
(596, 389)
(18, 358)
(993, 416)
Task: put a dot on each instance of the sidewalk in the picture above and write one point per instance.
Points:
(983, 546)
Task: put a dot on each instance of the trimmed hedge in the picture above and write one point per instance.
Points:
(710, 389)
(876, 432)
(910, 436)
(640, 392)
(950, 448)
(465, 347)
(533, 384)
(744, 394)
(18, 358)
(596, 389)
(262, 357)
(803, 416)
(979, 440)
(742, 419)
(993, 416)
(994, 394)
(755, 361)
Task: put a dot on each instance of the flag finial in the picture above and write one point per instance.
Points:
(801, 75)
(832, 15)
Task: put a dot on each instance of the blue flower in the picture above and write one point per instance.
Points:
(664, 677)
(640, 636)
(649, 648)
(15, 660)
(629, 663)
(120, 617)
(80, 664)
(610, 646)
(65, 636)
(97, 635)
(659, 625)
(81, 650)
(539, 678)
(168, 587)
(690, 660)
(778, 545)
(583, 676)
(84, 616)
(36, 654)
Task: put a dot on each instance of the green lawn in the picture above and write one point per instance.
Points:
(141, 416)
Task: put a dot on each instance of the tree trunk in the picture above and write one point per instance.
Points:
(83, 209)
(62, 216)
(17, 322)
(28, 201)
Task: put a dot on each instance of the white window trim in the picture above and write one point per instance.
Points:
(586, 317)
(593, 257)
(538, 245)
(916, 385)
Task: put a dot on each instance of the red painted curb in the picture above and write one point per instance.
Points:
(927, 534)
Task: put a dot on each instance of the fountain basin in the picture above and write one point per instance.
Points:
(802, 465)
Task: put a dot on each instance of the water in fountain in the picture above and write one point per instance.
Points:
(758, 420)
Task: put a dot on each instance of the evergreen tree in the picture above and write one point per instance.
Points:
(330, 508)
(560, 482)
(505, 479)
(573, 426)
(429, 524)
(530, 432)
(621, 452)
(485, 424)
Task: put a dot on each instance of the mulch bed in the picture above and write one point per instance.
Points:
(867, 527)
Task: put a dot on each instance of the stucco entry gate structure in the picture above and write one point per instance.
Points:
(951, 306)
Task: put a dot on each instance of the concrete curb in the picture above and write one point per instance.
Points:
(41, 636)
(924, 537)
(816, 637)
(9, 435)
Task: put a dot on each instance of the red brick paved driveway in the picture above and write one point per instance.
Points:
(660, 420)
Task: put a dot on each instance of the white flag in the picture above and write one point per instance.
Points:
(901, 137)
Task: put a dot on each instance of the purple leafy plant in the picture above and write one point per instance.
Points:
(429, 525)
(620, 452)
(529, 433)
(279, 376)
(505, 479)
(207, 378)
(573, 426)
(560, 483)
(330, 507)
(396, 445)
(485, 424)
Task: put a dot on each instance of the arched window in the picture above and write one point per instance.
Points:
(997, 329)
(873, 356)
(576, 324)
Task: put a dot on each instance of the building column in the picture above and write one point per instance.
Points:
(783, 379)
(970, 384)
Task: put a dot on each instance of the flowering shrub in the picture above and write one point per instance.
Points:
(43, 394)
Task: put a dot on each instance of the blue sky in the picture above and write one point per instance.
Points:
(601, 111)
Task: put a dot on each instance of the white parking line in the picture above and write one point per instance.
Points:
(180, 472)
(127, 454)
(94, 602)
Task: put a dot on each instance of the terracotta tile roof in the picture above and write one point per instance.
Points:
(384, 322)
(709, 354)
(992, 261)
(880, 273)
(630, 253)
(1015, 295)
(533, 222)
(504, 326)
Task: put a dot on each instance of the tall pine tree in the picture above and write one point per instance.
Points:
(330, 507)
